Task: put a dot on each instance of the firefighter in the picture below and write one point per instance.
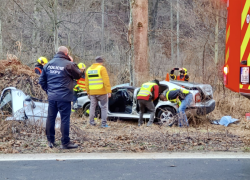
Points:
(183, 74)
(183, 98)
(80, 84)
(148, 93)
(98, 89)
(39, 66)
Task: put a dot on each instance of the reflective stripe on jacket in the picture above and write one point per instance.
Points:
(177, 99)
(38, 70)
(148, 91)
(106, 84)
(80, 84)
(95, 78)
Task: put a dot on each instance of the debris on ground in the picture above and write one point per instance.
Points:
(14, 74)
(225, 121)
(124, 136)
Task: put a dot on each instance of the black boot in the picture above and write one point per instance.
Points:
(70, 145)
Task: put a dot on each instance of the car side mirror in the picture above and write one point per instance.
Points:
(28, 98)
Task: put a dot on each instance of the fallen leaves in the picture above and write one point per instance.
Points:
(27, 139)
(15, 74)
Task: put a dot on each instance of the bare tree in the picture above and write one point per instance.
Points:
(139, 44)
(36, 50)
(41, 25)
(1, 39)
(172, 30)
(216, 34)
(103, 15)
(178, 33)
(56, 41)
(153, 11)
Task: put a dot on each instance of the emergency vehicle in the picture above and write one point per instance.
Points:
(237, 55)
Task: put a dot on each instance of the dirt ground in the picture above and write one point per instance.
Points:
(124, 136)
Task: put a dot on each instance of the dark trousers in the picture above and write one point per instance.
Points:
(75, 97)
(64, 109)
(150, 106)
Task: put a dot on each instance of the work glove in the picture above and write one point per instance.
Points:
(79, 89)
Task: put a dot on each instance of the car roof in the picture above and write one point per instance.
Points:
(127, 86)
(171, 85)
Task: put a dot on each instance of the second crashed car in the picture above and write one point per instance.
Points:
(123, 103)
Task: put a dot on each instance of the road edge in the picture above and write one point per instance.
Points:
(115, 156)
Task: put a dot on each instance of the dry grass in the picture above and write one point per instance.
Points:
(125, 136)
(230, 104)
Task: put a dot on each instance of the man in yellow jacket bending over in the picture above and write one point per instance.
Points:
(98, 89)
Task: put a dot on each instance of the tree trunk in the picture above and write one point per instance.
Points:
(55, 25)
(102, 41)
(68, 38)
(178, 30)
(140, 41)
(1, 40)
(216, 45)
(36, 50)
(172, 30)
(153, 10)
(131, 41)
(83, 52)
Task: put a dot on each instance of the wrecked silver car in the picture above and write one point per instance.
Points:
(15, 105)
(123, 103)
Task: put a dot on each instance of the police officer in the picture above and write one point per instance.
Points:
(148, 93)
(57, 79)
(183, 98)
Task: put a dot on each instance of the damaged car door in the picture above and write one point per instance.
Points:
(16, 105)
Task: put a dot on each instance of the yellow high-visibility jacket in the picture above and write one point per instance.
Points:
(106, 88)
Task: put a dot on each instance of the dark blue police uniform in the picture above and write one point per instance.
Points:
(57, 79)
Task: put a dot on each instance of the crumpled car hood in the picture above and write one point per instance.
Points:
(206, 88)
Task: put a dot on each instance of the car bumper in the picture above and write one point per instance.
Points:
(203, 108)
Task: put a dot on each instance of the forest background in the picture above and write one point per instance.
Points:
(140, 40)
(179, 33)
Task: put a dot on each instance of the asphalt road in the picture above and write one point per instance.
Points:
(145, 169)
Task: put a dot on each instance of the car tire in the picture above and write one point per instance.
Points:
(87, 108)
(167, 116)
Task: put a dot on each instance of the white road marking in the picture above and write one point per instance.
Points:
(95, 156)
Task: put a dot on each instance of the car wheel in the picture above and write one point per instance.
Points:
(166, 116)
(97, 111)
